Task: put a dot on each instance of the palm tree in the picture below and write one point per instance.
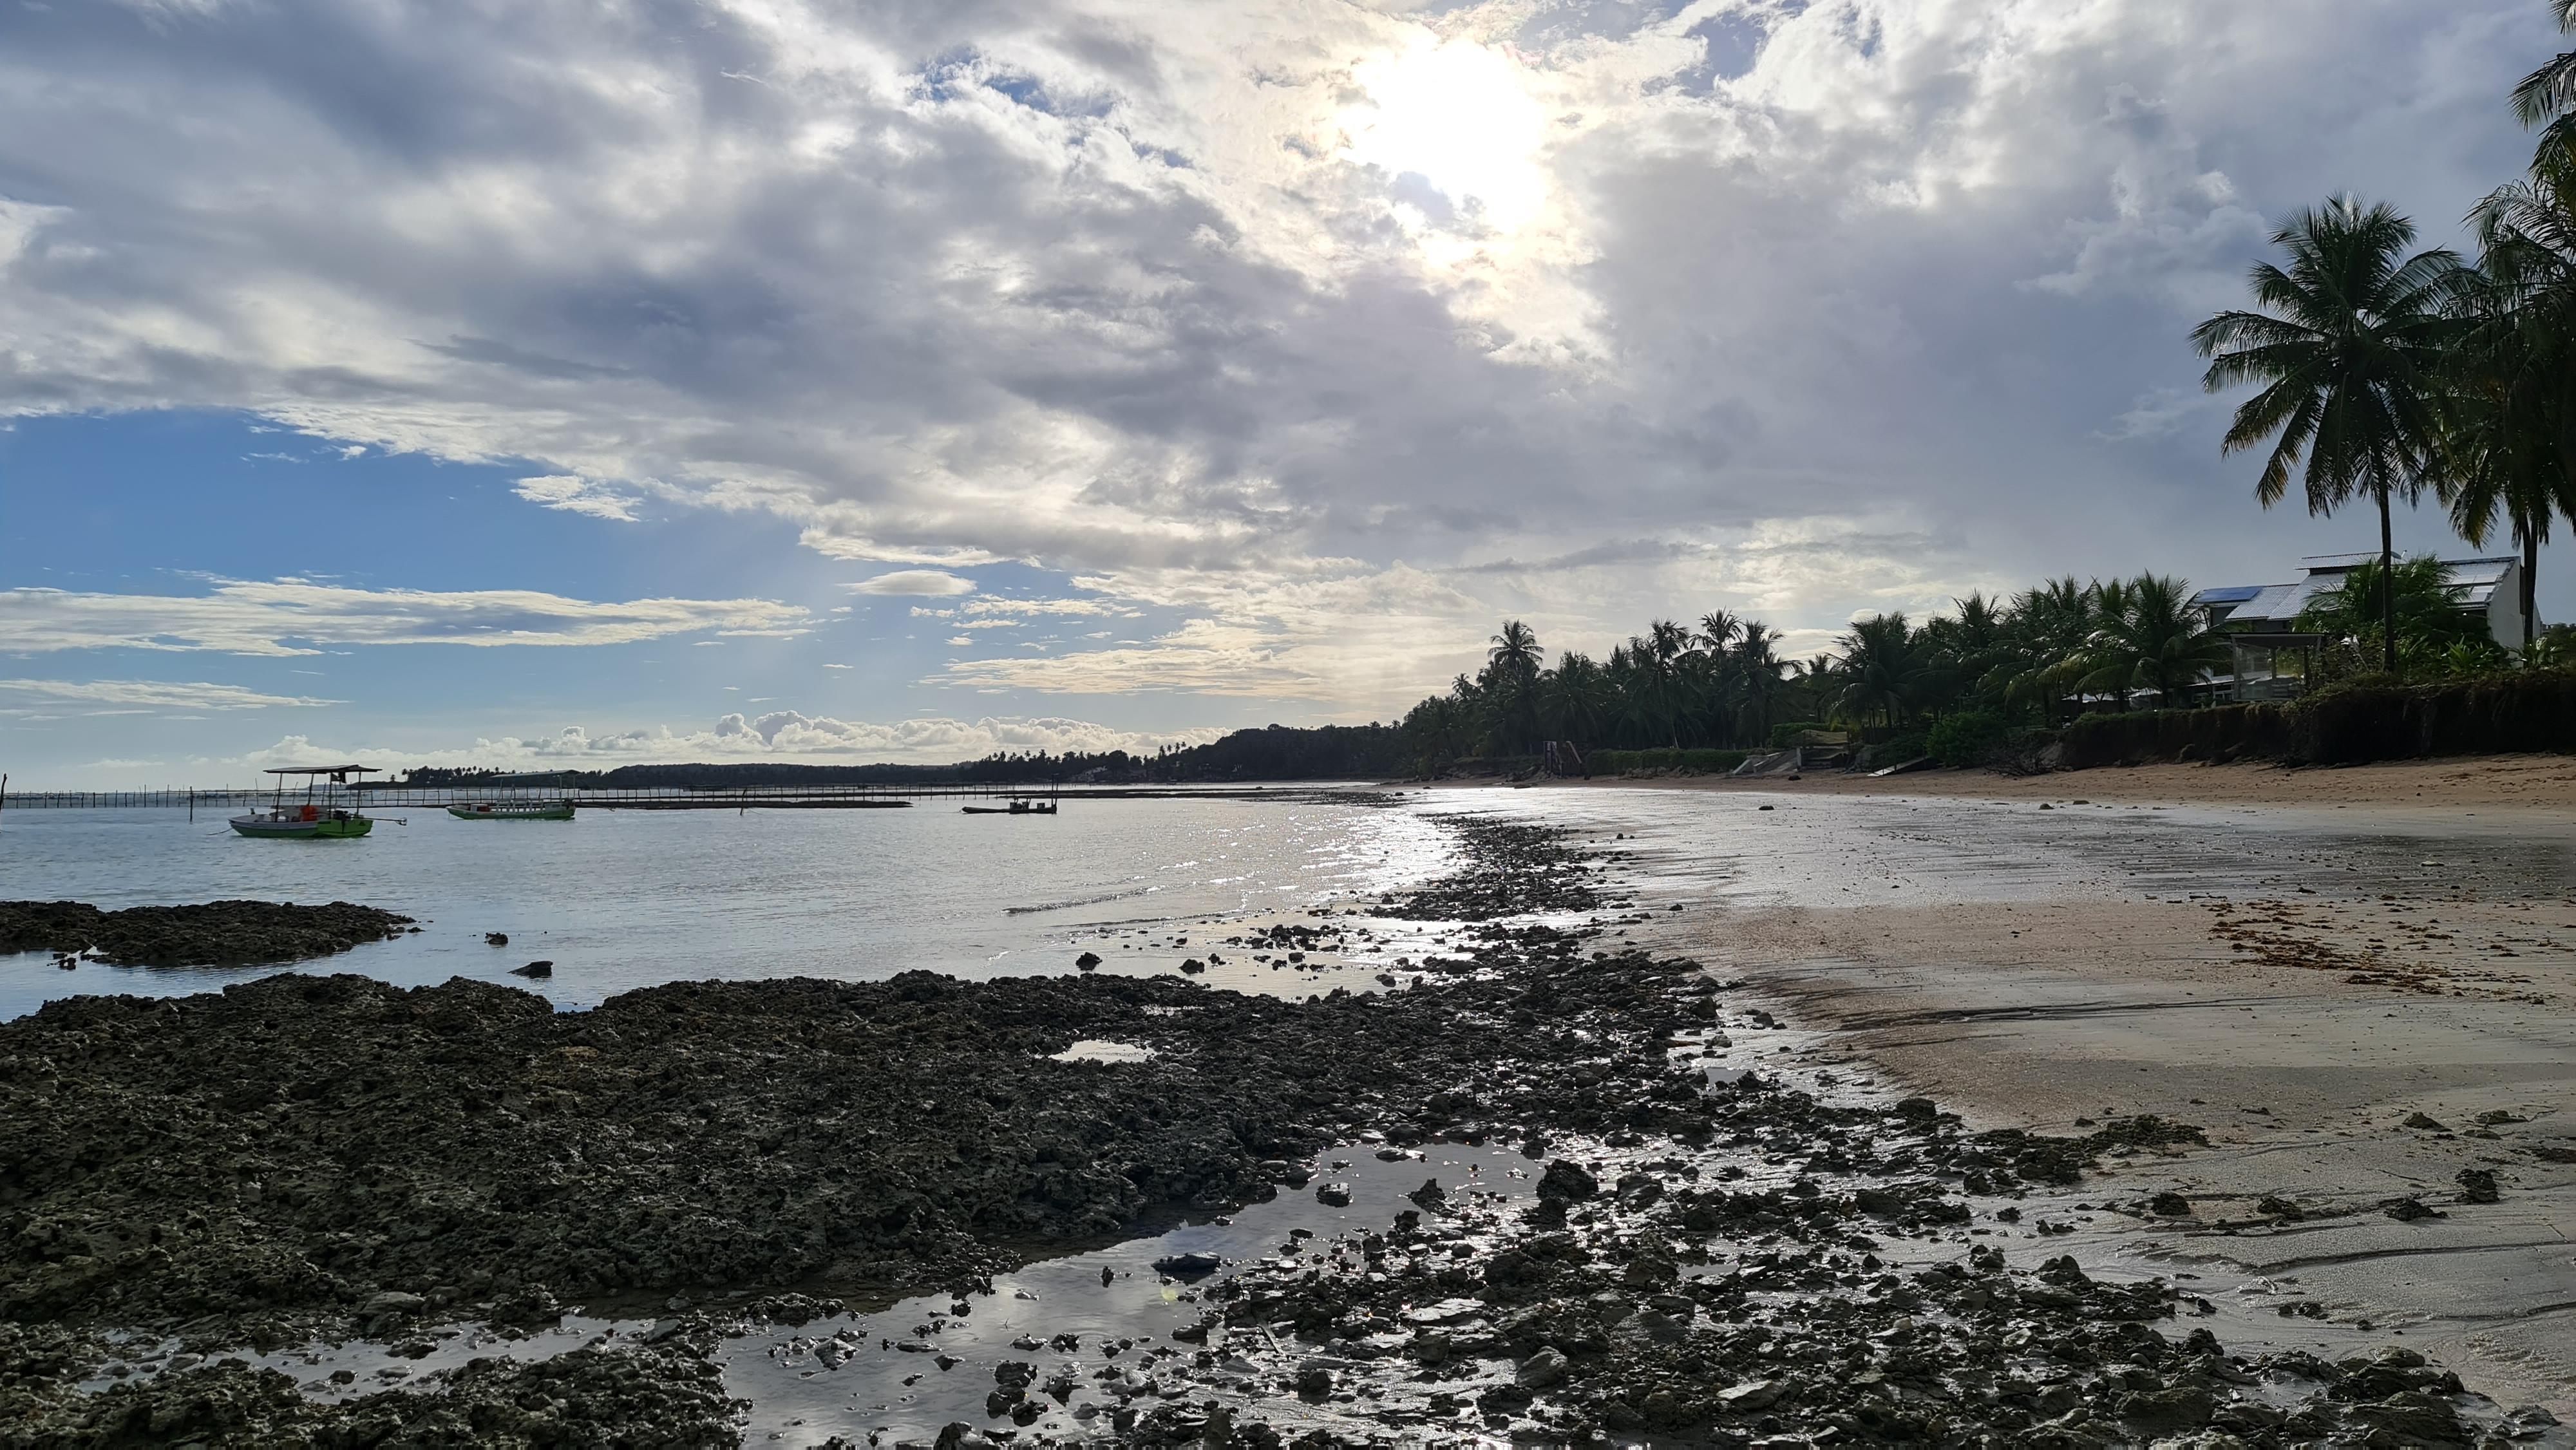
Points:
(1757, 672)
(2155, 641)
(1576, 699)
(1515, 650)
(2349, 350)
(1511, 689)
(1883, 663)
(2510, 436)
(2429, 617)
(2547, 97)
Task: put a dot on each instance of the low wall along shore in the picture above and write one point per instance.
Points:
(2513, 714)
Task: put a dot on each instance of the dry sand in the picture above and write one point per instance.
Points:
(2536, 782)
(2302, 1019)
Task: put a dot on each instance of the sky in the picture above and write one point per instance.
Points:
(536, 384)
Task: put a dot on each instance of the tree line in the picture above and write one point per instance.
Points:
(1962, 681)
(1721, 682)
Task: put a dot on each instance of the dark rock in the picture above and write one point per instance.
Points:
(539, 970)
(1541, 1370)
(1566, 1182)
(215, 933)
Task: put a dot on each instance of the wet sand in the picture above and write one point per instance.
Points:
(2301, 981)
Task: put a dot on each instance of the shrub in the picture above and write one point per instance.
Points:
(1785, 735)
(1905, 745)
(2553, 649)
(1966, 737)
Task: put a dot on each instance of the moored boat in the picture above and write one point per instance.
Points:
(517, 798)
(312, 817)
(560, 810)
(1015, 808)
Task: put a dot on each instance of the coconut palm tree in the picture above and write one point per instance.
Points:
(2510, 428)
(1515, 650)
(2547, 97)
(2429, 617)
(1757, 673)
(2349, 349)
(1511, 685)
(1883, 663)
(2155, 641)
(1576, 699)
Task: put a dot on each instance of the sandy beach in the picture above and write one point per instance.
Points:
(2353, 1034)
(2522, 782)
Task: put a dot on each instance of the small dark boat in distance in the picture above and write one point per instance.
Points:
(1015, 808)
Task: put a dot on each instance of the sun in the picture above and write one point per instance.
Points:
(1458, 115)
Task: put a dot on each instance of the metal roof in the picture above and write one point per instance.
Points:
(2228, 594)
(2473, 582)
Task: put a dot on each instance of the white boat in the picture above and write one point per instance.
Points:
(557, 810)
(312, 817)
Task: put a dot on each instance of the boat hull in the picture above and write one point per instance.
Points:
(326, 828)
(485, 811)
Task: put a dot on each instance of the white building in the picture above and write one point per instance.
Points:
(2489, 588)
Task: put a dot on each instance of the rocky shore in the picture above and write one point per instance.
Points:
(210, 934)
(1708, 1261)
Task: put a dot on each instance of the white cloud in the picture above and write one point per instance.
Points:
(992, 605)
(778, 735)
(1243, 310)
(914, 581)
(578, 495)
(156, 695)
(244, 617)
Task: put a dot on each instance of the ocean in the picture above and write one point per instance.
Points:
(621, 899)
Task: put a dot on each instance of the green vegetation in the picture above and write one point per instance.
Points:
(1684, 698)
(1967, 737)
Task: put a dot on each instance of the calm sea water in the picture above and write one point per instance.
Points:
(624, 899)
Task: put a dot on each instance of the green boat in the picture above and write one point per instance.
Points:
(312, 818)
(517, 798)
(555, 810)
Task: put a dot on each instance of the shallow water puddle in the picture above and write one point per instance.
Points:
(1098, 1049)
(1094, 1329)
(1098, 1326)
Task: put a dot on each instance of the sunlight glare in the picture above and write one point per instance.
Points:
(1458, 115)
